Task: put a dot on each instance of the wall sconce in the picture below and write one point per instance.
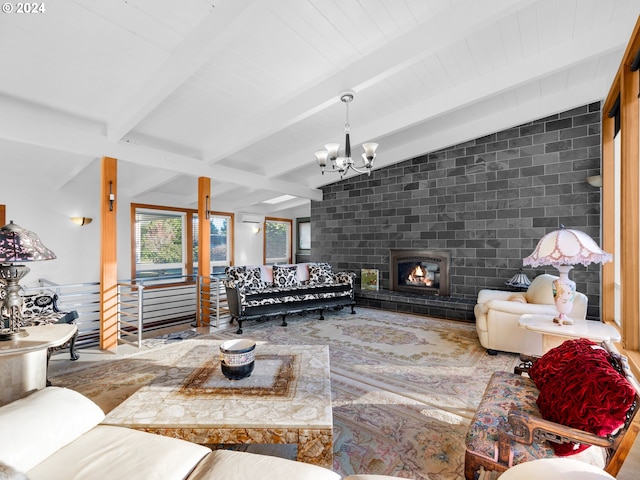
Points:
(81, 220)
(207, 214)
(112, 196)
(595, 181)
(256, 230)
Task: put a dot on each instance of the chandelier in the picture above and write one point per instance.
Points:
(342, 164)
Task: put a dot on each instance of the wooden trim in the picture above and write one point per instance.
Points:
(108, 255)
(3, 215)
(188, 261)
(608, 219)
(203, 316)
(630, 203)
(625, 85)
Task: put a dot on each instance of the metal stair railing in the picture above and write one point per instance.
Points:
(143, 305)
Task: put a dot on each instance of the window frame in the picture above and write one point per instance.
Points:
(625, 87)
(303, 223)
(189, 266)
(289, 224)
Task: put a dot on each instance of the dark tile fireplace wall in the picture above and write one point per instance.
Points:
(487, 201)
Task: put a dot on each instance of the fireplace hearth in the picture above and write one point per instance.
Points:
(419, 271)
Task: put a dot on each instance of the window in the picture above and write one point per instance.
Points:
(304, 235)
(277, 241)
(165, 242)
(159, 243)
(220, 243)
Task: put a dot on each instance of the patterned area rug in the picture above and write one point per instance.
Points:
(404, 387)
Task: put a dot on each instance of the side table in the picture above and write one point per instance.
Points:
(554, 334)
(23, 360)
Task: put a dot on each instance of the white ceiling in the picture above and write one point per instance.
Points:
(245, 92)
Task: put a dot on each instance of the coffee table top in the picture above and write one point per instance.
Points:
(290, 387)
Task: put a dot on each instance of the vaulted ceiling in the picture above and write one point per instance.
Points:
(245, 92)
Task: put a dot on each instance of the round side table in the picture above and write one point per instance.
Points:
(23, 360)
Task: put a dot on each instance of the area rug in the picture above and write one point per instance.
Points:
(404, 387)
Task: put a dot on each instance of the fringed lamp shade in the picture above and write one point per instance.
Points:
(562, 249)
(18, 244)
(566, 247)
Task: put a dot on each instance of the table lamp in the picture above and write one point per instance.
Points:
(17, 244)
(562, 249)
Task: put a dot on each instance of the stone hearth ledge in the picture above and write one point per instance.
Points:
(452, 308)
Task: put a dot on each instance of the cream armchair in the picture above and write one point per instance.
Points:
(497, 313)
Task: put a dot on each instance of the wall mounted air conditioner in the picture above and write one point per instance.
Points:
(251, 218)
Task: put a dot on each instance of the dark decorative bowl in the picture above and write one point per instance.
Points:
(237, 358)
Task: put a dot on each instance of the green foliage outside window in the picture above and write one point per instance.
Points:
(161, 241)
(277, 237)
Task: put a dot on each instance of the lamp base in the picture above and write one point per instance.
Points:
(564, 291)
(7, 335)
(562, 319)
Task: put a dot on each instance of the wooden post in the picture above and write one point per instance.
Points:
(630, 204)
(108, 255)
(203, 314)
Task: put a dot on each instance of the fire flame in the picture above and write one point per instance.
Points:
(419, 276)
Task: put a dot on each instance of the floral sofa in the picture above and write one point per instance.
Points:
(579, 400)
(260, 292)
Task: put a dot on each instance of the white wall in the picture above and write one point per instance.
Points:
(249, 243)
(45, 210)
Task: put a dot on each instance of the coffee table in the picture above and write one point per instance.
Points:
(286, 400)
(553, 334)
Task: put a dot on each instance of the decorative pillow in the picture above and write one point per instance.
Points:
(234, 273)
(37, 305)
(252, 279)
(285, 276)
(580, 388)
(320, 273)
(518, 297)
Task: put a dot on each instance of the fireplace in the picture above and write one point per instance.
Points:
(419, 271)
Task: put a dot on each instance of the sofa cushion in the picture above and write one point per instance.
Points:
(121, 453)
(518, 297)
(540, 290)
(285, 276)
(35, 427)
(37, 305)
(580, 388)
(230, 465)
(320, 273)
(252, 278)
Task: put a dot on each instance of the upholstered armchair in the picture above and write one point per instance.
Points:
(497, 314)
